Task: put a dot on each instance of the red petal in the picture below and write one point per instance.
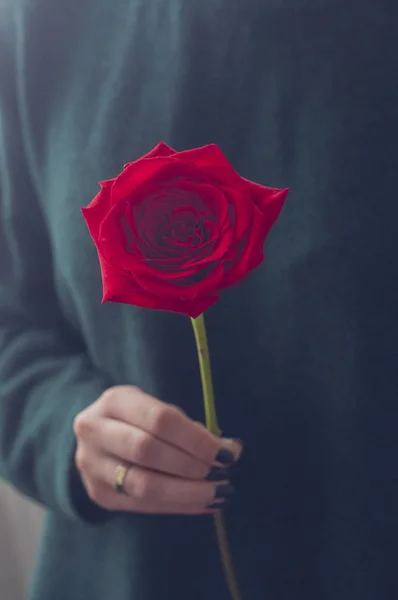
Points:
(242, 211)
(107, 183)
(212, 161)
(112, 242)
(160, 149)
(269, 200)
(212, 196)
(252, 254)
(185, 265)
(121, 288)
(204, 156)
(170, 288)
(98, 208)
(149, 171)
(149, 196)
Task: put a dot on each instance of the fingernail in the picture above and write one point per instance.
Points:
(218, 504)
(225, 457)
(217, 474)
(225, 490)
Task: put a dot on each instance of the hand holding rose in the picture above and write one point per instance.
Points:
(175, 464)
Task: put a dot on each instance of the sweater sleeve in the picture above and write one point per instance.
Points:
(46, 377)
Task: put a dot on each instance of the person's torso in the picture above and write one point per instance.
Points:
(300, 95)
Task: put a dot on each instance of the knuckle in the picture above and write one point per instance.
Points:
(128, 444)
(135, 389)
(81, 460)
(107, 399)
(178, 409)
(142, 448)
(81, 424)
(144, 487)
(163, 418)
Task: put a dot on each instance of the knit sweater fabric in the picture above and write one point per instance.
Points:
(299, 94)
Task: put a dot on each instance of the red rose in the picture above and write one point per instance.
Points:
(175, 228)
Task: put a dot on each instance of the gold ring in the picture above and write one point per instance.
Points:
(120, 478)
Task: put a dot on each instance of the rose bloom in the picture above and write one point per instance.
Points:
(175, 228)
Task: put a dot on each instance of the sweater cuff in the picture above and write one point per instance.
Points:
(71, 495)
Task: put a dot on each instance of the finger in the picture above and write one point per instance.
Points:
(107, 498)
(162, 493)
(168, 424)
(234, 445)
(179, 408)
(133, 445)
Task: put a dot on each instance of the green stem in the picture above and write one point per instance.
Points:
(199, 329)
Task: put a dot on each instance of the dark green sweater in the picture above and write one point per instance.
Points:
(300, 94)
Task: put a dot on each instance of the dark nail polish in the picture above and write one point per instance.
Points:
(225, 490)
(225, 457)
(217, 474)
